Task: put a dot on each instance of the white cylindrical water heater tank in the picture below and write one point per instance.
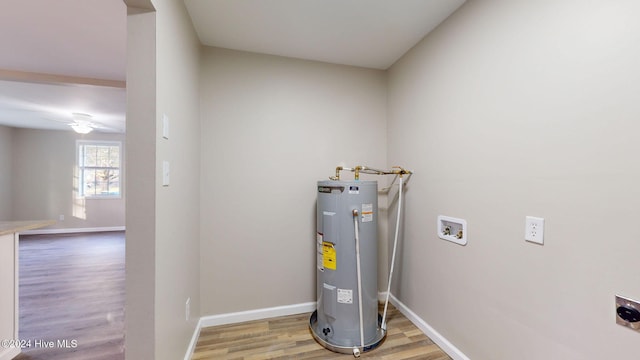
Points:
(347, 320)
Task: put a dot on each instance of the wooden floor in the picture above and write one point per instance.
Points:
(288, 337)
(72, 293)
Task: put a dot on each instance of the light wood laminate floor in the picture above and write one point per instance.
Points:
(288, 337)
(72, 293)
(72, 288)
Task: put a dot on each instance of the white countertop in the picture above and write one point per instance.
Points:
(10, 227)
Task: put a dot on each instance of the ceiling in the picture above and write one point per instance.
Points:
(58, 56)
(69, 56)
(366, 33)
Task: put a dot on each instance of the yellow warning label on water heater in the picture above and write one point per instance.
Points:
(328, 255)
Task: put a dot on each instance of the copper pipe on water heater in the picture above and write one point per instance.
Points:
(337, 177)
(360, 169)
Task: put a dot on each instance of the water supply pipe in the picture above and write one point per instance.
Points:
(393, 256)
(357, 236)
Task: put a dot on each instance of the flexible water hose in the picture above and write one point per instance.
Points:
(355, 226)
(393, 257)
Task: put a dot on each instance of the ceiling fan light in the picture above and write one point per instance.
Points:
(81, 128)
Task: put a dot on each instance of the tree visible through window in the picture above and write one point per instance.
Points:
(99, 169)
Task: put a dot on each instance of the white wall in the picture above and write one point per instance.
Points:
(44, 181)
(6, 151)
(271, 128)
(515, 108)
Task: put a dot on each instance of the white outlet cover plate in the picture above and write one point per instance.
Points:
(534, 229)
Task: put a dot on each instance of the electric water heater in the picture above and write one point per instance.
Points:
(347, 319)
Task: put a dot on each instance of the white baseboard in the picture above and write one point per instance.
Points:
(9, 353)
(194, 341)
(266, 313)
(437, 338)
(257, 314)
(242, 316)
(71, 230)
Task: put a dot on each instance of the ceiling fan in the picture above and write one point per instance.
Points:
(84, 123)
(55, 107)
(81, 123)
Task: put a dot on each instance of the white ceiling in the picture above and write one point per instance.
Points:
(84, 38)
(67, 56)
(366, 33)
(49, 106)
(76, 41)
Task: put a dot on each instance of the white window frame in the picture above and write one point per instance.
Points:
(80, 169)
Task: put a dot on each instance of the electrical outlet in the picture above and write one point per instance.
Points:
(187, 309)
(534, 229)
(628, 313)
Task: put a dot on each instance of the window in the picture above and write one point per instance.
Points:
(99, 169)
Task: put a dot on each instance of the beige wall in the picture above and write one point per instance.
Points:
(271, 128)
(178, 205)
(509, 109)
(141, 186)
(162, 222)
(516, 108)
(6, 161)
(44, 184)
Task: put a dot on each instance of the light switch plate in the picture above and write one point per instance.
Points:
(165, 173)
(187, 309)
(165, 126)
